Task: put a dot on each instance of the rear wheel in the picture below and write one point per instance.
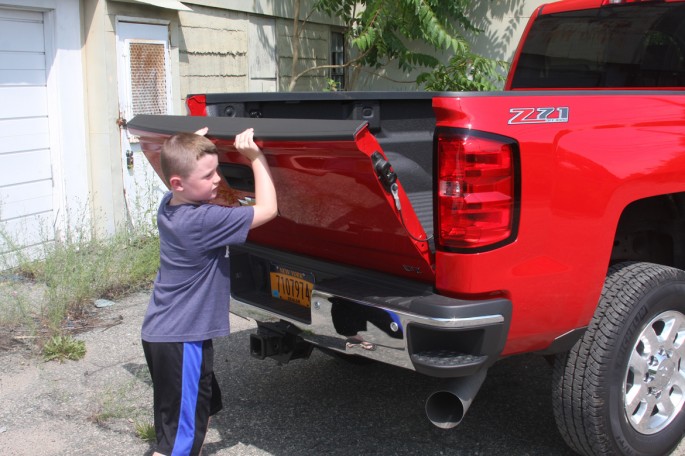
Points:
(621, 389)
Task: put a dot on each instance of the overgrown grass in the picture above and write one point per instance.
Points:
(70, 275)
(17, 302)
(76, 274)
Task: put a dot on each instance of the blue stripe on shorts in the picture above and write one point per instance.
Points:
(192, 367)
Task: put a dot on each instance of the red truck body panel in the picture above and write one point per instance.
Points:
(577, 178)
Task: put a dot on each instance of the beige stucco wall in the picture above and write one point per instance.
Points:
(213, 47)
(314, 51)
(212, 51)
(502, 23)
(272, 8)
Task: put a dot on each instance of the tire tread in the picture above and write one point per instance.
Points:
(579, 375)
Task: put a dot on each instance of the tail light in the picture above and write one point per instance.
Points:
(197, 105)
(477, 200)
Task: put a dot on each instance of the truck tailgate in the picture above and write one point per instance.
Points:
(332, 204)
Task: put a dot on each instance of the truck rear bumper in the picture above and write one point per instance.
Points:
(380, 317)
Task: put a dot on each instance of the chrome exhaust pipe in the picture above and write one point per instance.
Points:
(446, 408)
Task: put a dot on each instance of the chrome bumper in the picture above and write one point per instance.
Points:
(389, 340)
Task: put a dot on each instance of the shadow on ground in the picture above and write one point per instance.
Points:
(327, 406)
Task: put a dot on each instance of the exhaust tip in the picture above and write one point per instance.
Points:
(445, 410)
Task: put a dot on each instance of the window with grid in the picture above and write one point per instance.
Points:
(338, 58)
(148, 78)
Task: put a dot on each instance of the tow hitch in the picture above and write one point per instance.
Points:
(282, 346)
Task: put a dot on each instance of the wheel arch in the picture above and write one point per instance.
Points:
(652, 230)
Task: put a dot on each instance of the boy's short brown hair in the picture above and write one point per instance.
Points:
(181, 152)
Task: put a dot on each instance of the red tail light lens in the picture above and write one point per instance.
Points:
(477, 190)
(197, 105)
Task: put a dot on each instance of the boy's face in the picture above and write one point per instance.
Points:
(201, 185)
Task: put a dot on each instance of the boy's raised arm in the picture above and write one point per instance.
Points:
(266, 206)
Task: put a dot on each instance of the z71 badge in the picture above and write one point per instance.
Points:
(538, 115)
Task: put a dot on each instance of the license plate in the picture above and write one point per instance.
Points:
(293, 286)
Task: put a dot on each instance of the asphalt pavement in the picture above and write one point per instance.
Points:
(324, 405)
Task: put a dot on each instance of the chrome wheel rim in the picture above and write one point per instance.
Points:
(654, 386)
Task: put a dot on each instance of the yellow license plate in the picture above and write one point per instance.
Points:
(291, 285)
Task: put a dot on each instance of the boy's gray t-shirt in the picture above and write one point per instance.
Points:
(190, 299)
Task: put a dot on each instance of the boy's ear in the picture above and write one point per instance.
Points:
(176, 183)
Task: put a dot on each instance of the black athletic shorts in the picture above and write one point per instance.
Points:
(185, 395)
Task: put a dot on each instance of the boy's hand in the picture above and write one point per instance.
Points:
(244, 143)
(266, 205)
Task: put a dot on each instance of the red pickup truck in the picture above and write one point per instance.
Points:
(441, 232)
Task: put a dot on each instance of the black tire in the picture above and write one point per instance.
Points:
(620, 390)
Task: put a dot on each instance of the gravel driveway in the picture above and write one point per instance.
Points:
(318, 406)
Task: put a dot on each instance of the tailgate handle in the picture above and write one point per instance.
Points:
(386, 175)
(239, 177)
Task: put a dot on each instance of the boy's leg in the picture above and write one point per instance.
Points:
(210, 403)
(184, 394)
(209, 396)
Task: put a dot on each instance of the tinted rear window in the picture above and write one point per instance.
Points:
(637, 45)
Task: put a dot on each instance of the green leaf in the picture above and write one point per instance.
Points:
(388, 31)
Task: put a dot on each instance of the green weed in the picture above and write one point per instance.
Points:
(61, 348)
(113, 404)
(145, 431)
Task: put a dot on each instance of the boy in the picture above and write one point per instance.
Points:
(189, 302)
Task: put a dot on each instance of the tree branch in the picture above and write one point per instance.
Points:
(352, 62)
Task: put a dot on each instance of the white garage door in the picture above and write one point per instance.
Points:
(27, 209)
